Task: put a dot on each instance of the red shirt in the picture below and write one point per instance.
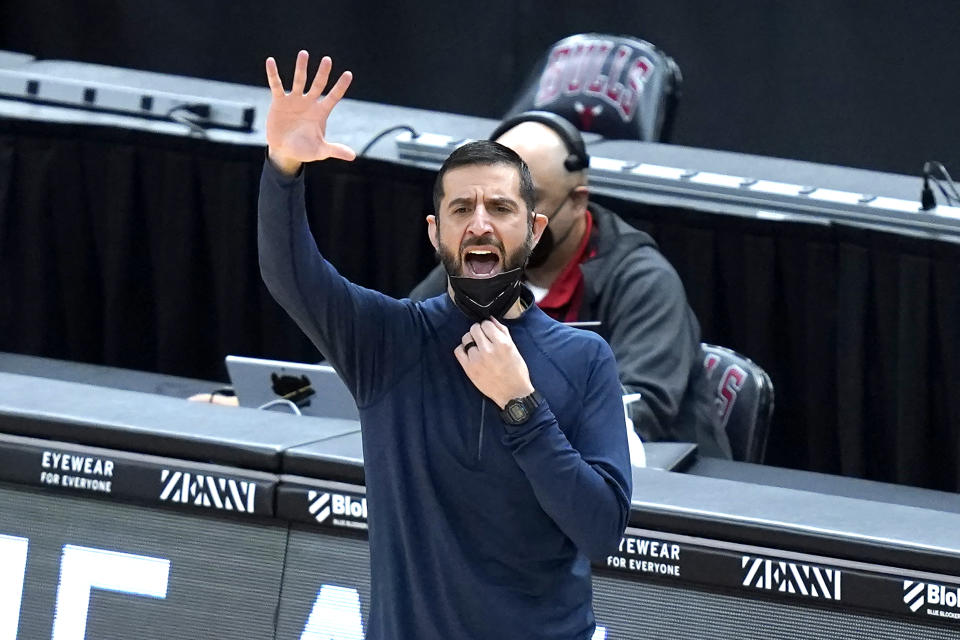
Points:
(565, 295)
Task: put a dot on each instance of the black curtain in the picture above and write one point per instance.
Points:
(846, 82)
(859, 329)
(139, 250)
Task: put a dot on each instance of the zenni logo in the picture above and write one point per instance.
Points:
(201, 490)
(791, 577)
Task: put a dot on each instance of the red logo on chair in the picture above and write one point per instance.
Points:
(710, 362)
(587, 115)
(593, 68)
(730, 385)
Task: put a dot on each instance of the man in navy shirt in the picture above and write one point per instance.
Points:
(495, 453)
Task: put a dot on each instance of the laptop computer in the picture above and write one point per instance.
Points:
(315, 389)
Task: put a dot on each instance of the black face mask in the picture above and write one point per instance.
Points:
(542, 250)
(483, 298)
(547, 242)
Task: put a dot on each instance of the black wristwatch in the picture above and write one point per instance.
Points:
(518, 410)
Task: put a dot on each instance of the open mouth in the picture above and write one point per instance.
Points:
(481, 263)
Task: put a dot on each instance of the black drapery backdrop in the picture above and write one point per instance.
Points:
(139, 250)
(859, 329)
(768, 77)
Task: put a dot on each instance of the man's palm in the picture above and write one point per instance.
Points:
(297, 122)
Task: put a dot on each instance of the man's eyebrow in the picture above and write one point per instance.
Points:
(459, 201)
(495, 200)
(503, 200)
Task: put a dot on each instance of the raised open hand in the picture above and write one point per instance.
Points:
(297, 121)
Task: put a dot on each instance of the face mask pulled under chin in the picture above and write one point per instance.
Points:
(483, 298)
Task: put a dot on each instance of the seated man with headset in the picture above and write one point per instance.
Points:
(590, 265)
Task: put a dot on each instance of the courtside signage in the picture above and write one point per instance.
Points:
(327, 504)
(932, 599)
(209, 491)
(646, 556)
(762, 573)
(96, 472)
(76, 471)
(641, 555)
(795, 578)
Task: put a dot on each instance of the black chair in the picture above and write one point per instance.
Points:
(744, 400)
(617, 86)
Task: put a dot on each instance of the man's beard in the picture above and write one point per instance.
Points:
(453, 264)
(480, 298)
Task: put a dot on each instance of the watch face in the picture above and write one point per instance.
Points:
(517, 411)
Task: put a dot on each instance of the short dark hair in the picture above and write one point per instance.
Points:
(486, 152)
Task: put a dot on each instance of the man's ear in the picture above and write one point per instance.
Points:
(539, 224)
(432, 231)
(580, 195)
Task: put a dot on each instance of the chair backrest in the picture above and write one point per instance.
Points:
(744, 395)
(617, 86)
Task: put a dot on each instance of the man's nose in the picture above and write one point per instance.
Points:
(479, 224)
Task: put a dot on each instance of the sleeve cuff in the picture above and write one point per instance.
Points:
(540, 417)
(277, 176)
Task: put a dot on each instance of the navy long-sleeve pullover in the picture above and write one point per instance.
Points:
(477, 529)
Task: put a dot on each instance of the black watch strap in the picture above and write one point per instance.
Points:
(519, 410)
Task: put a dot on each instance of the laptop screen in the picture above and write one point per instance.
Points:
(316, 389)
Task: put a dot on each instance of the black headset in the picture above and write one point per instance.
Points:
(578, 159)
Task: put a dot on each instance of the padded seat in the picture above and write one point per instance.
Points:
(744, 400)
